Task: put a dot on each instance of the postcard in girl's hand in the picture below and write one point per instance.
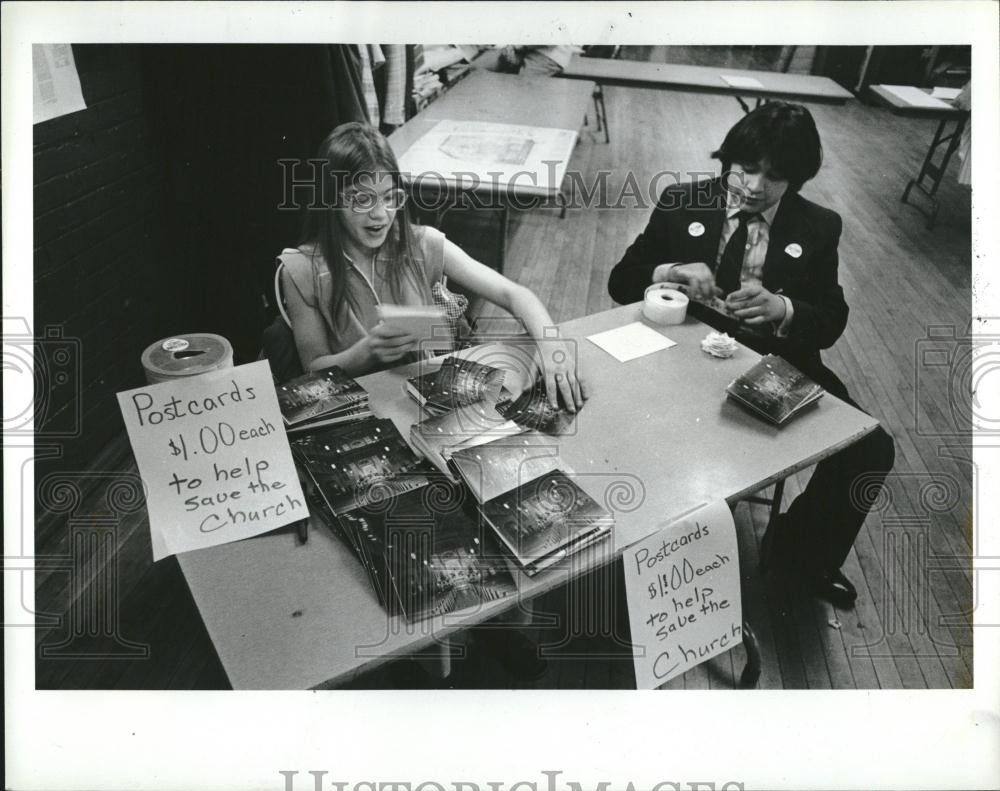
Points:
(423, 322)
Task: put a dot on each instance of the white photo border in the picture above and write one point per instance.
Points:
(225, 740)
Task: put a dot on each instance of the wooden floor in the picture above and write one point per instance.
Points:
(911, 626)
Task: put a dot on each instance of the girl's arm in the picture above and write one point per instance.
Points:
(558, 361)
(380, 346)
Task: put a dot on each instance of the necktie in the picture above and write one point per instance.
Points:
(727, 275)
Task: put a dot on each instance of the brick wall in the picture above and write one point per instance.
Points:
(155, 214)
(102, 285)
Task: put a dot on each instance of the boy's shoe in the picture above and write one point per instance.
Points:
(834, 587)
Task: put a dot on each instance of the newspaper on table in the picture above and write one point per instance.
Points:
(479, 154)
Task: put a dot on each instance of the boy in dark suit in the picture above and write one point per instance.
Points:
(750, 239)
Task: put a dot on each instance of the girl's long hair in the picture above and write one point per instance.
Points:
(350, 151)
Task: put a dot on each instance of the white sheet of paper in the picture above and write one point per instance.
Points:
(735, 81)
(916, 97)
(441, 57)
(526, 156)
(683, 589)
(213, 457)
(946, 94)
(631, 341)
(56, 82)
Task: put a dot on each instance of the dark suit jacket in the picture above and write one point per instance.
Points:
(809, 281)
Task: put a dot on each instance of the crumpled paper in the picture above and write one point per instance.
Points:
(718, 344)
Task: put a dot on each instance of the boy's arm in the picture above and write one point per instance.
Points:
(631, 275)
(820, 315)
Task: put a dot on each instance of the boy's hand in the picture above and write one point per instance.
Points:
(698, 278)
(756, 305)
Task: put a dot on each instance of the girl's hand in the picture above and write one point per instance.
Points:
(562, 380)
(385, 344)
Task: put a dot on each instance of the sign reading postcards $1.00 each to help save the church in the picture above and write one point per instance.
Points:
(213, 457)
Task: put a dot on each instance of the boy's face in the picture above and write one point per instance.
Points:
(757, 184)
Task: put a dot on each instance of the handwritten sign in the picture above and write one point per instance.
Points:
(214, 458)
(683, 590)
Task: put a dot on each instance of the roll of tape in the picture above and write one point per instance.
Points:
(186, 355)
(664, 304)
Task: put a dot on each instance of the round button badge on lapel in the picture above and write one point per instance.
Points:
(794, 250)
(696, 229)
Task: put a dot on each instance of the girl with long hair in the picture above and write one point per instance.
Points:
(361, 250)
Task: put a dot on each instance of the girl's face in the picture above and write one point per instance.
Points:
(368, 211)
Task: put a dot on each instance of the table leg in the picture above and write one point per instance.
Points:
(600, 106)
(751, 671)
(906, 192)
(743, 104)
(561, 201)
(935, 172)
(502, 241)
(436, 660)
(939, 137)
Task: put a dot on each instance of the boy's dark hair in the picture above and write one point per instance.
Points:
(783, 133)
